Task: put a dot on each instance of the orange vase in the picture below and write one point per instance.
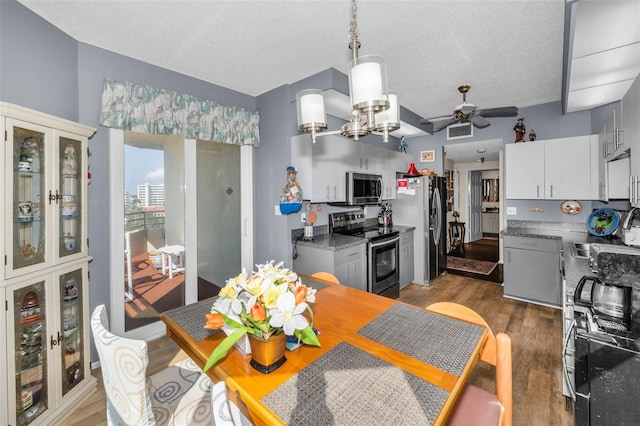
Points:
(267, 355)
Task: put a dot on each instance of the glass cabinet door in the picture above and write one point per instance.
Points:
(29, 319)
(71, 315)
(28, 217)
(70, 168)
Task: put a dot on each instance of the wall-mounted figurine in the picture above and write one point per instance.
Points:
(532, 135)
(403, 145)
(520, 130)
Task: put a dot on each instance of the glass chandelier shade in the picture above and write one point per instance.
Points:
(311, 114)
(368, 83)
(388, 120)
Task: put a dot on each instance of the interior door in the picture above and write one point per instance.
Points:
(475, 206)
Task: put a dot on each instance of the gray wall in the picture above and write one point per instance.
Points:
(38, 63)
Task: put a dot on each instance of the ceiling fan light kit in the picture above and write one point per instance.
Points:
(468, 114)
(374, 107)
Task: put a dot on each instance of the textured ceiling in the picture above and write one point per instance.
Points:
(509, 51)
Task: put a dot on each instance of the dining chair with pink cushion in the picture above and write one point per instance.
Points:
(180, 394)
(476, 406)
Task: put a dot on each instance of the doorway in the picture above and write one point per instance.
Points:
(181, 235)
(469, 162)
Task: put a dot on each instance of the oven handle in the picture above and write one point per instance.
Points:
(565, 371)
(384, 243)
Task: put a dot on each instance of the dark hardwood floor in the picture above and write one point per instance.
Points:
(487, 249)
(535, 331)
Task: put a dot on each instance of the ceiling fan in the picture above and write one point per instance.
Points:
(466, 112)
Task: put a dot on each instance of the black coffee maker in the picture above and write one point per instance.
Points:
(617, 292)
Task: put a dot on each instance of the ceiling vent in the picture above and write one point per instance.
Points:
(459, 131)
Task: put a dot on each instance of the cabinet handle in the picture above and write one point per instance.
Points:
(335, 192)
(54, 197)
(537, 191)
(551, 186)
(328, 192)
(618, 131)
(631, 188)
(360, 163)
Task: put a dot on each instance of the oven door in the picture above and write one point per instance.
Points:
(384, 271)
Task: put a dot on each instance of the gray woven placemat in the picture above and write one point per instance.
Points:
(309, 282)
(192, 318)
(445, 343)
(347, 386)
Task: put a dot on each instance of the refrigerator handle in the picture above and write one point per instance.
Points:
(437, 226)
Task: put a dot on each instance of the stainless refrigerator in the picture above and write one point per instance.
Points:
(422, 204)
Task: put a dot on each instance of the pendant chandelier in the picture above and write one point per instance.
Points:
(374, 108)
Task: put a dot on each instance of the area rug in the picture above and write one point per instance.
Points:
(470, 265)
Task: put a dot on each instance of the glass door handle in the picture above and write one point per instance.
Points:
(55, 342)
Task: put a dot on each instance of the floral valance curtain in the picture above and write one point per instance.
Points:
(146, 109)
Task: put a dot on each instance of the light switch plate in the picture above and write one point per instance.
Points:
(278, 212)
(512, 210)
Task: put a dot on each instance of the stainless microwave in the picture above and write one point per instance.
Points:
(363, 188)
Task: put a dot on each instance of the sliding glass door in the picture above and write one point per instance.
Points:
(180, 222)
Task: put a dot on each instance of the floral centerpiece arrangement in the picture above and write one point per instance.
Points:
(267, 303)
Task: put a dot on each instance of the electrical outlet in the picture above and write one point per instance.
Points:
(303, 217)
(512, 210)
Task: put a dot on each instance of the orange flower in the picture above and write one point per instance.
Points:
(258, 312)
(214, 321)
(301, 294)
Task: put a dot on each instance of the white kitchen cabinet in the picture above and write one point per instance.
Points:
(45, 248)
(554, 169)
(615, 132)
(524, 170)
(490, 222)
(632, 136)
(406, 258)
(618, 179)
(349, 265)
(322, 166)
(603, 186)
(393, 162)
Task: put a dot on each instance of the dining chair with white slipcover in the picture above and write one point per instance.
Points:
(178, 395)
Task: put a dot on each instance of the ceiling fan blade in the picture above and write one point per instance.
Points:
(432, 119)
(479, 121)
(433, 127)
(510, 111)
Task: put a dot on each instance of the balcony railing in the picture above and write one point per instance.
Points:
(143, 220)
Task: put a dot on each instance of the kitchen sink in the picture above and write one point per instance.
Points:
(580, 250)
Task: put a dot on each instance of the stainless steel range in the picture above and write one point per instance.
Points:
(383, 250)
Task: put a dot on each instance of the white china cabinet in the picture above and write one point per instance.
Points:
(45, 369)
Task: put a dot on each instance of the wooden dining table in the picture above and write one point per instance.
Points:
(380, 361)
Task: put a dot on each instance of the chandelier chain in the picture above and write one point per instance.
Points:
(353, 30)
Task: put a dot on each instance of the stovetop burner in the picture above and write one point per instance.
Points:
(354, 224)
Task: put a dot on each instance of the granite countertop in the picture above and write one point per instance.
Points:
(334, 242)
(402, 229)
